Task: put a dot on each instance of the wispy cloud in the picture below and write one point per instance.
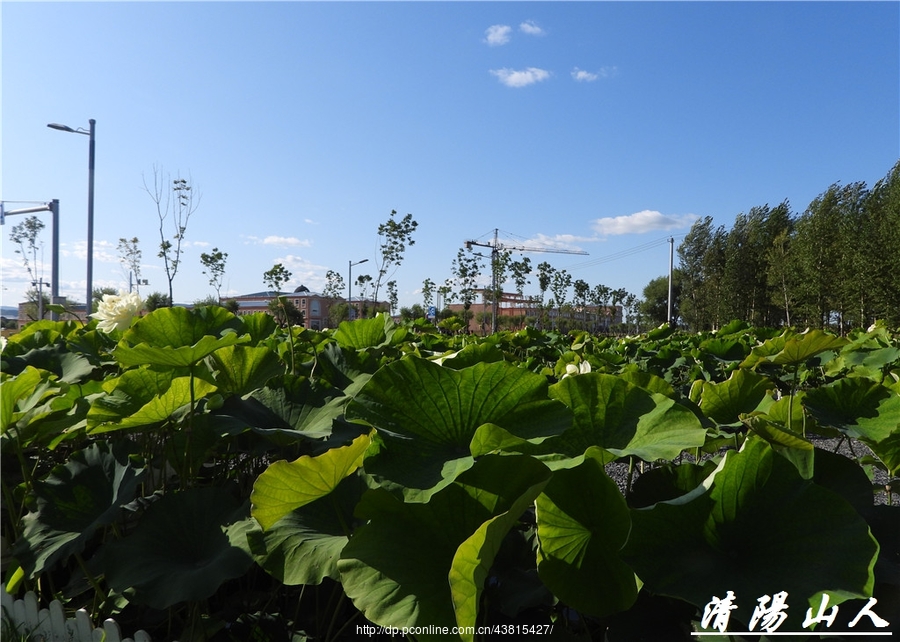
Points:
(497, 35)
(580, 75)
(280, 241)
(642, 222)
(531, 28)
(303, 272)
(520, 77)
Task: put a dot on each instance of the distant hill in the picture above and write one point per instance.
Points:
(9, 312)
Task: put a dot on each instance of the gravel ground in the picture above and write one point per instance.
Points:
(618, 471)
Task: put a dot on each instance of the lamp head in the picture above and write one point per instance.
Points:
(63, 128)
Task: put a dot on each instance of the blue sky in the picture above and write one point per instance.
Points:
(597, 126)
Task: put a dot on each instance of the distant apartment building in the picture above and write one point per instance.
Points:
(529, 311)
(314, 306)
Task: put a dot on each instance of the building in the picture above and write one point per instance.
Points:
(523, 310)
(314, 306)
(28, 312)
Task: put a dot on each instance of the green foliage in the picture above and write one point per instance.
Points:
(207, 468)
(835, 265)
(214, 268)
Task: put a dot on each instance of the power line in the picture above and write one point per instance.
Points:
(625, 253)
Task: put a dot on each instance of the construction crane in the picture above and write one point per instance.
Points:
(496, 247)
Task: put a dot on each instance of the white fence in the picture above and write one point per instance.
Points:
(51, 625)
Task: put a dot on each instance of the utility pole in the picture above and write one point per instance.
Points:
(671, 261)
(496, 247)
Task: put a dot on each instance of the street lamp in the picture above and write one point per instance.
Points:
(90, 210)
(350, 286)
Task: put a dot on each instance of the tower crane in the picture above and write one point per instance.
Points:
(496, 247)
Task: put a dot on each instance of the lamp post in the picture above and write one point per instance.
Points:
(350, 286)
(90, 208)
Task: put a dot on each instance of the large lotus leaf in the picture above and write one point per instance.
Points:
(754, 528)
(145, 354)
(59, 416)
(725, 349)
(68, 365)
(285, 486)
(582, 524)
(184, 547)
(523, 478)
(396, 567)
(794, 447)
(259, 326)
(648, 381)
(74, 501)
(799, 348)
(21, 390)
(241, 369)
(178, 327)
(128, 393)
(427, 416)
(303, 547)
(178, 336)
(470, 355)
(369, 333)
(307, 405)
(862, 409)
(180, 392)
(741, 393)
(623, 419)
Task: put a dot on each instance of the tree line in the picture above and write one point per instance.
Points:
(836, 265)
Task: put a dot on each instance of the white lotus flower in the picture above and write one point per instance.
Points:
(117, 312)
(582, 368)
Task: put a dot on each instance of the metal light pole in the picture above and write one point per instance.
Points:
(90, 211)
(350, 286)
(53, 208)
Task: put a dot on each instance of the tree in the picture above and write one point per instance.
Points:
(655, 305)
(334, 285)
(427, 292)
(559, 285)
(466, 269)
(393, 297)
(338, 312)
(156, 300)
(25, 235)
(362, 282)
(545, 273)
(130, 257)
(214, 268)
(393, 237)
(285, 312)
(519, 271)
(206, 301)
(276, 277)
(173, 198)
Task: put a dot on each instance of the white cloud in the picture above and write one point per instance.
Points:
(520, 78)
(497, 35)
(303, 272)
(641, 222)
(280, 241)
(531, 28)
(580, 75)
(557, 242)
